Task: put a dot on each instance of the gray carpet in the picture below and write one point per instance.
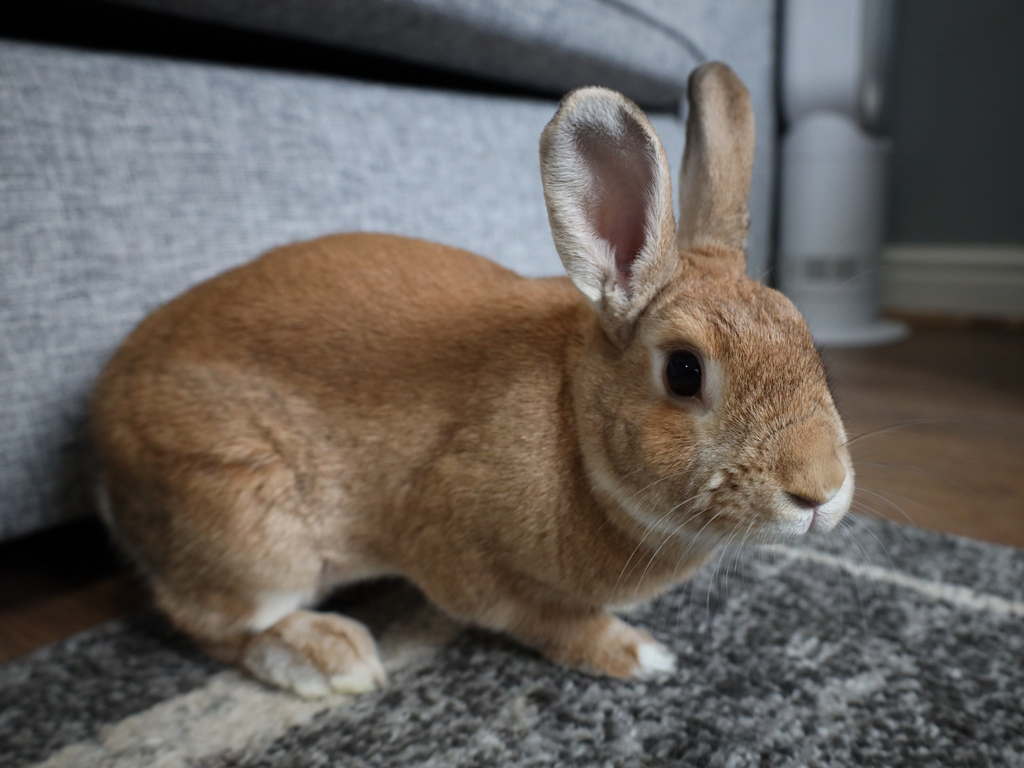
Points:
(877, 646)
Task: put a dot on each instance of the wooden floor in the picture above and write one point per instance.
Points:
(937, 424)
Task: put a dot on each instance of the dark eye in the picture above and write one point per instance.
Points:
(682, 374)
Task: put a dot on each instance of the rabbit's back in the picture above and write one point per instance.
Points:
(317, 385)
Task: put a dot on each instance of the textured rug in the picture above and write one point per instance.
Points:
(877, 646)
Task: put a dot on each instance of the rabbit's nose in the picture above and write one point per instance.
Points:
(804, 501)
(816, 483)
(808, 501)
(810, 470)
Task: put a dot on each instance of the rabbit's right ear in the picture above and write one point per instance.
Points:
(717, 165)
(609, 197)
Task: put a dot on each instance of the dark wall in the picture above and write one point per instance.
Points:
(958, 122)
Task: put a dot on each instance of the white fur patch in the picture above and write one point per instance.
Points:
(273, 606)
(360, 679)
(284, 667)
(833, 510)
(655, 658)
(605, 480)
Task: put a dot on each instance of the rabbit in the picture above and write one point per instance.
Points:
(532, 454)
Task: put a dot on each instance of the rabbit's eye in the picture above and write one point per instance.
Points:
(682, 374)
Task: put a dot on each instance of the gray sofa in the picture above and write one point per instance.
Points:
(126, 178)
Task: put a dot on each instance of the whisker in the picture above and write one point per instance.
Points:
(890, 428)
(881, 545)
(852, 580)
(713, 583)
(900, 465)
(651, 559)
(669, 537)
(973, 423)
(651, 527)
(736, 553)
(888, 501)
(650, 485)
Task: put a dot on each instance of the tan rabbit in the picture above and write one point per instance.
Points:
(529, 453)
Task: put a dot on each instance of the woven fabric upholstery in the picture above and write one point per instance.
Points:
(554, 45)
(643, 48)
(125, 180)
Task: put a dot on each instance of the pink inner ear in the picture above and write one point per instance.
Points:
(623, 175)
(619, 219)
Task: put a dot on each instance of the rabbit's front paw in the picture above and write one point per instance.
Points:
(598, 643)
(625, 651)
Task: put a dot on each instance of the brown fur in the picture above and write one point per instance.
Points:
(364, 404)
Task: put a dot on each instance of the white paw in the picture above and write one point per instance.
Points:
(307, 687)
(359, 680)
(654, 659)
(286, 667)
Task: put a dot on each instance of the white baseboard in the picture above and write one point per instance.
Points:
(971, 280)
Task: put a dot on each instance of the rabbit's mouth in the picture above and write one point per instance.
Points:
(738, 509)
(704, 507)
(765, 513)
(822, 518)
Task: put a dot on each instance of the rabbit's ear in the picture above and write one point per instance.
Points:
(609, 196)
(717, 163)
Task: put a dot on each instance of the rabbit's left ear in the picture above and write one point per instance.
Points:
(609, 197)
